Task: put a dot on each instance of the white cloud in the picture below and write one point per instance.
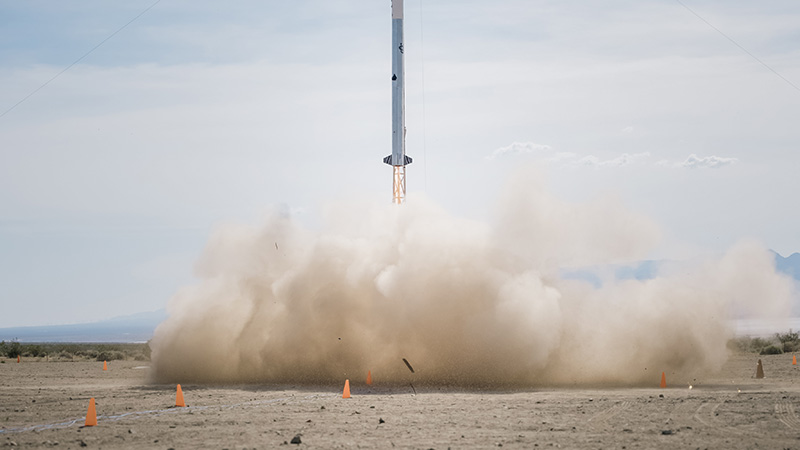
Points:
(709, 162)
(562, 157)
(567, 158)
(664, 163)
(571, 159)
(519, 148)
(621, 160)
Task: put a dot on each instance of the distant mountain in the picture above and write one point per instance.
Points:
(133, 328)
(595, 275)
(645, 270)
(789, 265)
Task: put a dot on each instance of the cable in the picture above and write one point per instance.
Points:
(422, 65)
(79, 59)
(737, 44)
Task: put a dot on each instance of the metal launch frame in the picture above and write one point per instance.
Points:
(399, 184)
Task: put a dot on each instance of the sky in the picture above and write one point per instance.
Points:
(114, 173)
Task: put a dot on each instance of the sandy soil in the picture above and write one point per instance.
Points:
(44, 404)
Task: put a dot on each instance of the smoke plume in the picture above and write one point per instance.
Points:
(466, 303)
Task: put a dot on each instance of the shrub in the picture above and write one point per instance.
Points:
(34, 350)
(789, 341)
(90, 353)
(758, 344)
(771, 350)
(12, 349)
(110, 355)
(750, 344)
(741, 343)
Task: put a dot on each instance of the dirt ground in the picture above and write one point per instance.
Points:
(44, 404)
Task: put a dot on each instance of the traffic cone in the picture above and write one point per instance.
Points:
(794, 360)
(17, 359)
(179, 397)
(91, 415)
(369, 378)
(663, 380)
(105, 365)
(759, 370)
(346, 392)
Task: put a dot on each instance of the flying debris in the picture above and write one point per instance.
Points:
(408, 365)
(398, 159)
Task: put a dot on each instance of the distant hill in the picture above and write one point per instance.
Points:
(645, 270)
(133, 328)
(789, 265)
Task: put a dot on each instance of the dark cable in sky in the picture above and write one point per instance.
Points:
(79, 59)
(737, 44)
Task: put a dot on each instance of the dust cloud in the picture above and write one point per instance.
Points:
(466, 303)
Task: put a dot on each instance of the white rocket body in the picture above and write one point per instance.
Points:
(398, 156)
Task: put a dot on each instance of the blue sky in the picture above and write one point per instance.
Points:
(197, 114)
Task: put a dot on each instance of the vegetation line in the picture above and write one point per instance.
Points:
(63, 351)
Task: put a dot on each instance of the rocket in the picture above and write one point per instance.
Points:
(398, 159)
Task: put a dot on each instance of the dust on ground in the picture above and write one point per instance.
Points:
(44, 404)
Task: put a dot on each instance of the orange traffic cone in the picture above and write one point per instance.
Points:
(105, 365)
(794, 360)
(369, 378)
(346, 392)
(759, 370)
(91, 415)
(179, 397)
(17, 359)
(663, 380)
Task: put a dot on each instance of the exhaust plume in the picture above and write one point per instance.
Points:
(466, 303)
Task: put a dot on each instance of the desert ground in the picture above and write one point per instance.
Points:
(43, 404)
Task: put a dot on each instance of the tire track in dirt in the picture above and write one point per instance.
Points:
(706, 414)
(786, 414)
(132, 415)
(600, 420)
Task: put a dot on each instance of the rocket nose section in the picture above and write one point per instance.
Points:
(397, 9)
